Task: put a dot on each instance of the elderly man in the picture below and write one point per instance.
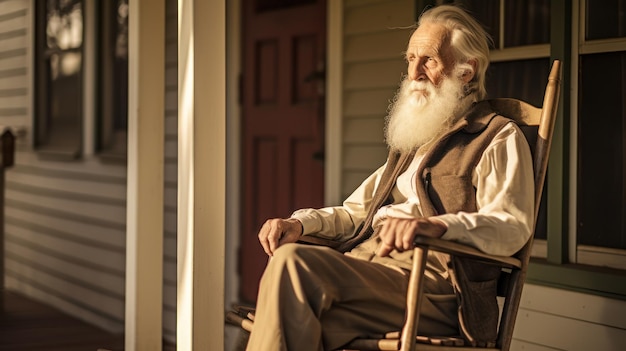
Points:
(455, 170)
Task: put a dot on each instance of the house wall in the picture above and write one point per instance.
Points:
(65, 221)
(373, 63)
(171, 170)
(65, 232)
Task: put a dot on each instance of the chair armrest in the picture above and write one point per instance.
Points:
(456, 249)
(312, 240)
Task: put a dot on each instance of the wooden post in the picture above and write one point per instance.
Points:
(7, 142)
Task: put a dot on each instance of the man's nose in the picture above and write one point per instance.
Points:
(416, 70)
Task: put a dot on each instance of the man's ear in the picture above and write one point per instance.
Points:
(468, 75)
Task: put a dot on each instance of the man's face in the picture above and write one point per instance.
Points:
(429, 55)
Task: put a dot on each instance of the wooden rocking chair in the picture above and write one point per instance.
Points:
(538, 126)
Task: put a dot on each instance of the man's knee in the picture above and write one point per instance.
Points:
(297, 252)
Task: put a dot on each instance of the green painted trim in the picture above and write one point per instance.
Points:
(558, 174)
(586, 279)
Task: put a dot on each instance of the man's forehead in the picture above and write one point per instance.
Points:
(429, 36)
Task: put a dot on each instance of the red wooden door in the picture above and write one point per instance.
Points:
(283, 119)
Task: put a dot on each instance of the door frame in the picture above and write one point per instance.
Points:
(333, 142)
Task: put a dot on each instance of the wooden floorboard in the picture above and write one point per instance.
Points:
(28, 325)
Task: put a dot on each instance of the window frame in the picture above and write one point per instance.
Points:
(92, 123)
(42, 87)
(557, 269)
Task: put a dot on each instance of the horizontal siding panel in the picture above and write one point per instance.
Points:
(169, 296)
(169, 271)
(171, 22)
(12, 40)
(44, 295)
(13, 78)
(21, 101)
(170, 196)
(171, 148)
(374, 75)
(351, 180)
(171, 172)
(88, 233)
(106, 259)
(169, 249)
(20, 176)
(169, 326)
(107, 282)
(575, 305)
(379, 16)
(364, 158)
(171, 99)
(13, 67)
(170, 222)
(517, 345)
(95, 301)
(171, 53)
(15, 122)
(367, 102)
(13, 5)
(390, 45)
(171, 125)
(13, 17)
(171, 76)
(364, 130)
(82, 208)
(565, 333)
(83, 169)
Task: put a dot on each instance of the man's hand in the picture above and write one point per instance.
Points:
(277, 231)
(398, 233)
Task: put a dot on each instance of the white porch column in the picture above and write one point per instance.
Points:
(201, 174)
(144, 232)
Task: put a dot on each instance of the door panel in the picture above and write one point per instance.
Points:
(283, 119)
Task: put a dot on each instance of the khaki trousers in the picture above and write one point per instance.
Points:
(315, 298)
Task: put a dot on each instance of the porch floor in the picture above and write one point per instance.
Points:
(27, 325)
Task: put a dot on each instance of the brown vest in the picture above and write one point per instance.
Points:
(446, 187)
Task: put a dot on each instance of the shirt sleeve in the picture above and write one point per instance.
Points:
(340, 222)
(504, 195)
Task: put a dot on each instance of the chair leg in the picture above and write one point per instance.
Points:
(413, 300)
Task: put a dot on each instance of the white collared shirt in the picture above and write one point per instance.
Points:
(504, 186)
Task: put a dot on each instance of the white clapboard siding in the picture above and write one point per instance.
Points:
(13, 58)
(13, 16)
(171, 170)
(373, 65)
(65, 222)
(372, 103)
(567, 320)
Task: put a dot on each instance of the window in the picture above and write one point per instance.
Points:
(601, 157)
(583, 244)
(113, 77)
(520, 59)
(81, 78)
(59, 76)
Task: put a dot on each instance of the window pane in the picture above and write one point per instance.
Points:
(58, 76)
(64, 29)
(526, 22)
(64, 112)
(113, 79)
(601, 151)
(487, 12)
(605, 19)
(524, 80)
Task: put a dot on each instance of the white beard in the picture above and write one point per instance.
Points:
(421, 111)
